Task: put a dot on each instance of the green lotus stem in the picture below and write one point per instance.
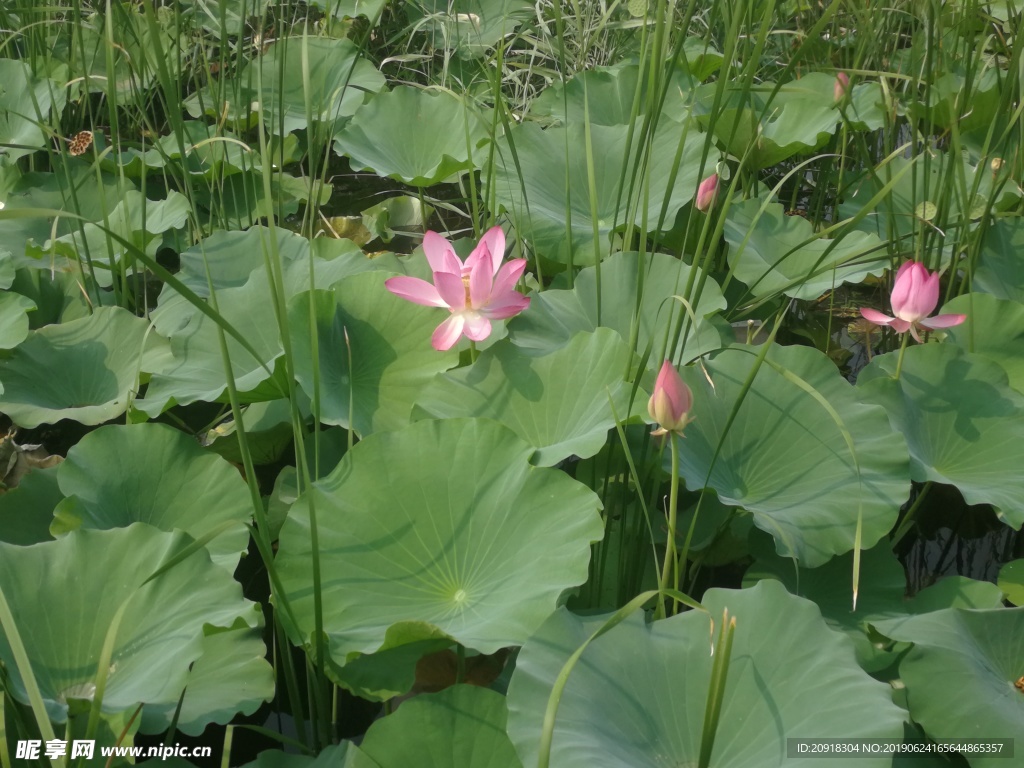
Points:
(899, 360)
(670, 564)
(460, 663)
(908, 519)
(474, 353)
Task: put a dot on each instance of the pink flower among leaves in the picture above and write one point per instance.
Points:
(475, 292)
(706, 192)
(915, 294)
(841, 87)
(671, 401)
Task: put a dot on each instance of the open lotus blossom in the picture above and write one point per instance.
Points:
(706, 192)
(841, 87)
(475, 292)
(915, 294)
(670, 404)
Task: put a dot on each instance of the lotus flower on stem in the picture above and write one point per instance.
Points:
(475, 292)
(706, 193)
(841, 87)
(915, 294)
(671, 401)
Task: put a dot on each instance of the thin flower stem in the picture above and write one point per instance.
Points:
(899, 360)
(669, 566)
(908, 519)
(474, 353)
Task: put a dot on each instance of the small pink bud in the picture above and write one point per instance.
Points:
(670, 404)
(915, 293)
(706, 192)
(841, 87)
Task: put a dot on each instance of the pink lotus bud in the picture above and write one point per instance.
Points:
(841, 87)
(915, 294)
(670, 404)
(706, 192)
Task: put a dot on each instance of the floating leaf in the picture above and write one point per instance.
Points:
(411, 135)
(964, 674)
(389, 343)
(552, 170)
(786, 459)
(556, 316)
(963, 423)
(106, 351)
(562, 403)
(151, 473)
(461, 726)
(65, 604)
(773, 253)
(638, 695)
(444, 524)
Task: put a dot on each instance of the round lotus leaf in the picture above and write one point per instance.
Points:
(469, 27)
(105, 352)
(65, 595)
(556, 316)
(965, 674)
(549, 167)
(387, 341)
(563, 404)
(27, 511)
(637, 696)
(302, 76)
(786, 458)
(1011, 581)
(994, 329)
(26, 103)
(14, 309)
(444, 525)
(232, 676)
(774, 253)
(1000, 271)
(463, 725)
(963, 423)
(415, 136)
(151, 473)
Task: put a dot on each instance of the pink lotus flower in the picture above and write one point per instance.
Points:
(841, 87)
(915, 294)
(475, 292)
(670, 404)
(706, 192)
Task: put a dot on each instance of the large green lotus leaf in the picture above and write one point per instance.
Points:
(801, 117)
(994, 329)
(608, 93)
(77, 189)
(922, 193)
(105, 352)
(14, 309)
(135, 219)
(637, 696)
(231, 677)
(556, 316)
(774, 253)
(1000, 271)
(960, 674)
(562, 404)
(26, 104)
(963, 423)
(344, 755)
(459, 727)
(196, 370)
(411, 135)
(339, 81)
(64, 605)
(389, 343)
(470, 27)
(232, 256)
(1011, 581)
(553, 165)
(444, 523)
(785, 458)
(27, 511)
(151, 473)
